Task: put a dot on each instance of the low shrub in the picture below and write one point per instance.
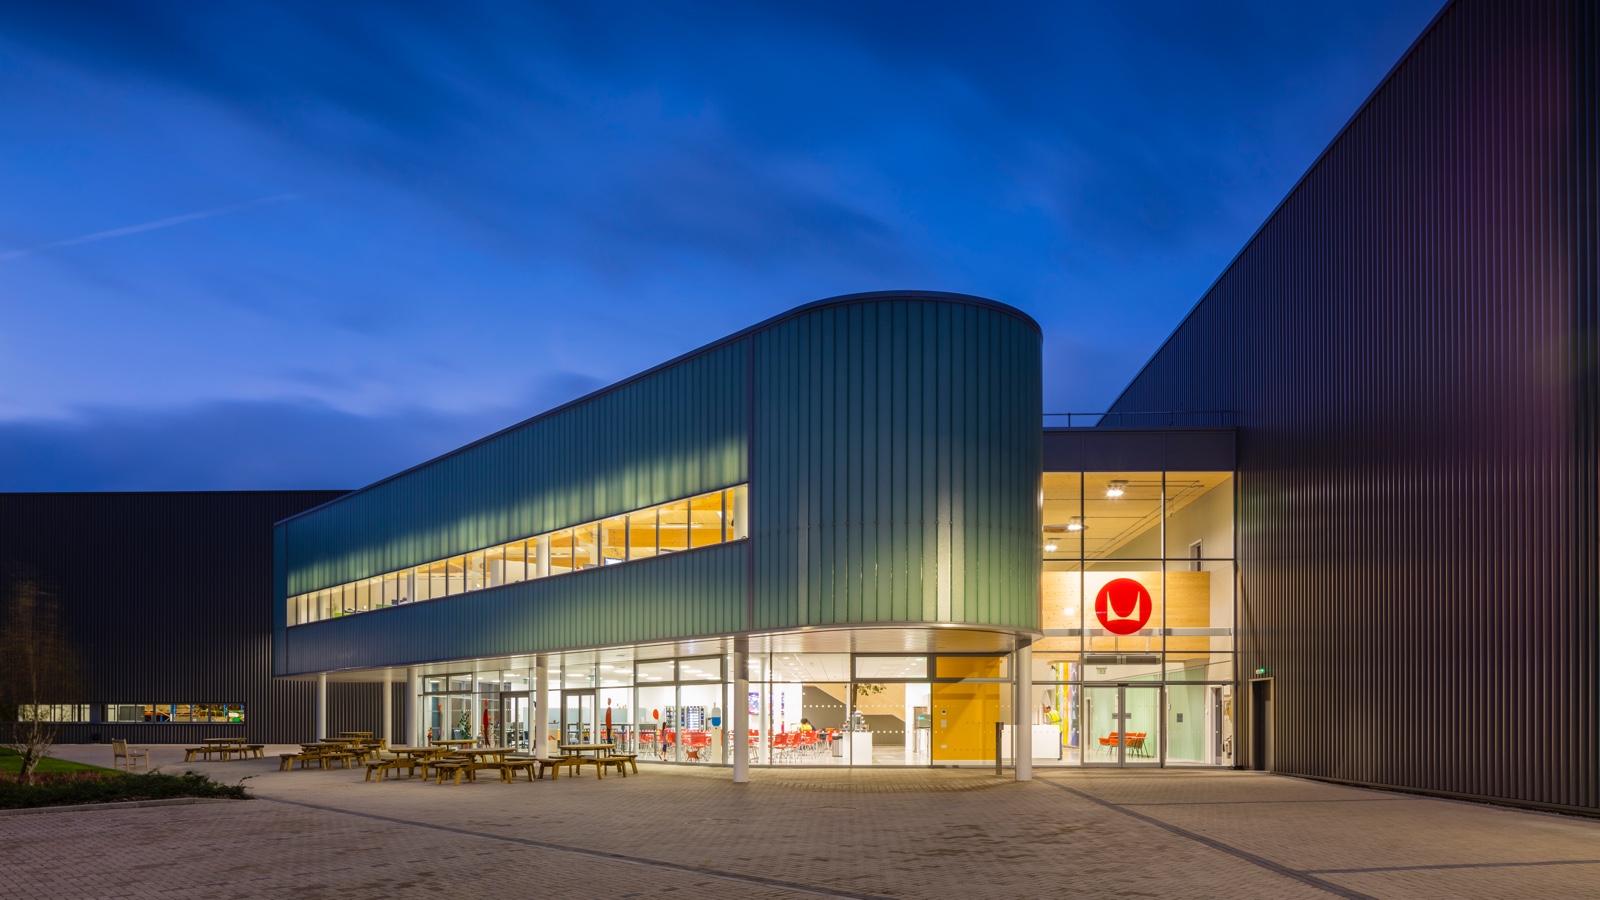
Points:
(101, 787)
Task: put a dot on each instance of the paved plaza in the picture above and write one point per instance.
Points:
(796, 833)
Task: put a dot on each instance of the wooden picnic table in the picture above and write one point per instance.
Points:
(224, 740)
(452, 742)
(416, 751)
(355, 734)
(602, 756)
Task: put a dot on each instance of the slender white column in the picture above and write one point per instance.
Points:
(541, 568)
(741, 710)
(1022, 713)
(388, 707)
(414, 698)
(741, 508)
(541, 688)
(322, 706)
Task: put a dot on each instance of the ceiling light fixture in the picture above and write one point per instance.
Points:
(1075, 524)
(1116, 488)
(1050, 547)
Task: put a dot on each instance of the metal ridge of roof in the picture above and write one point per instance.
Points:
(795, 312)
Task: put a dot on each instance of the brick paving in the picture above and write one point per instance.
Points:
(798, 833)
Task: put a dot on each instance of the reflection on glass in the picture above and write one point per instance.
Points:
(586, 546)
(673, 527)
(515, 567)
(437, 579)
(891, 667)
(614, 540)
(660, 670)
(658, 739)
(699, 723)
(1199, 724)
(736, 503)
(455, 570)
(1122, 515)
(706, 669)
(701, 521)
(1063, 516)
(561, 552)
(1199, 516)
(705, 520)
(1123, 602)
(642, 534)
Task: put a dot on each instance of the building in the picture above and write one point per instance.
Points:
(167, 600)
(1408, 348)
(1343, 524)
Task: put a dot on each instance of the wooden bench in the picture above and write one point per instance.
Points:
(206, 751)
(256, 750)
(343, 757)
(454, 767)
(513, 765)
(626, 759)
(380, 766)
(554, 766)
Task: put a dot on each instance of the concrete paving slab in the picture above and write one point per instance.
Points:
(806, 832)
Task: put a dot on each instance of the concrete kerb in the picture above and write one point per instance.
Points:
(117, 804)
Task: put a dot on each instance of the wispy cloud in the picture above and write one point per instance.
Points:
(146, 226)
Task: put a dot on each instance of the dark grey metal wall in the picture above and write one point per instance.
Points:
(169, 599)
(1409, 346)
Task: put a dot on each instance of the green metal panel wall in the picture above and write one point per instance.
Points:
(697, 592)
(896, 464)
(675, 431)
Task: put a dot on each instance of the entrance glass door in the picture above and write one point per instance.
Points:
(577, 717)
(514, 709)
(1123, 725)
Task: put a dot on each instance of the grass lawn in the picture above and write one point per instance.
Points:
(11, 764)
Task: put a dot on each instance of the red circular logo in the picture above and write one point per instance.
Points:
(1122, 606)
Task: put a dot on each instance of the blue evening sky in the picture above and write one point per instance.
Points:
(307, 245)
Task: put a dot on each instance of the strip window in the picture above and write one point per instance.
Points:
(704, 520)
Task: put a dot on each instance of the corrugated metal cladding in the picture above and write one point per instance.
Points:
(894, 478)
(168, 597)
(896, 465)
(676, 431)
(693, 593)
(1139, 450)
(1409, 345)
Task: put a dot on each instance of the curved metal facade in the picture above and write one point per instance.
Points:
(1408, 343)
(897, 460)
(891, 444)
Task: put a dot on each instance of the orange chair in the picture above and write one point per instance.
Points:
(694, 742)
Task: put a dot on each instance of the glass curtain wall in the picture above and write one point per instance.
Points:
(1137, 603)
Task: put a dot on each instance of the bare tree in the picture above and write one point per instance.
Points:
(38, 666)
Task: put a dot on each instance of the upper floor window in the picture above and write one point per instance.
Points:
(704, 520)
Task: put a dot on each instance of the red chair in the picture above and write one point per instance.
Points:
(694, 742)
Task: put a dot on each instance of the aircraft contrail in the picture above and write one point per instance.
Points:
(147, 226)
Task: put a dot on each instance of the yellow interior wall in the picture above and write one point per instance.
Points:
(963, 720)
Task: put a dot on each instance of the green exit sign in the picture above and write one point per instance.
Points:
(1263, 671)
